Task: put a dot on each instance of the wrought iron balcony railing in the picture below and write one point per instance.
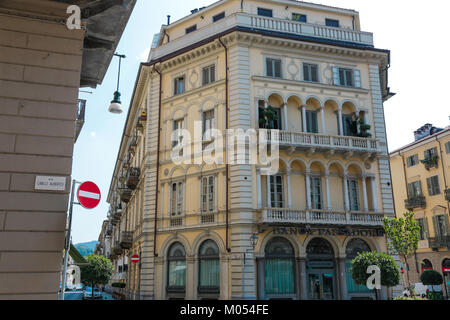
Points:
(447, 194)
(416, 202)
(439, 242)
(431, 162)
(117, 249)
(126, 239)
(133, 177)
(125, 195)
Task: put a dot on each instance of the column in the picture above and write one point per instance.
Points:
(163, 187)
(269, 199)
(365, 202)
(346, 198)
(286, 123)
(374, 194)
(342, 279)
(288, 177)
(341, 127)
(303, 280)
(327, 189)
(258, 186)
(322, 118)
(308, 190)
(305, 128)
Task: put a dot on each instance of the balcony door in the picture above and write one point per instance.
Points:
(353, 194)
(311, 122)
(276, 192)
(316, 193)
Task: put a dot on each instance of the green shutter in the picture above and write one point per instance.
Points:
(436, 227)
(425, 228)
(446, 225)
(336, 77)
(430, 187)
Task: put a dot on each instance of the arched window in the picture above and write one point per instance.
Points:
(426, 265)
(279, 267)
(319, 246)
(176, 280)
(354, 247)
(209, 268)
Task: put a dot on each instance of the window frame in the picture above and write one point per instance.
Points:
(211, 72)
(177, 199)
(260, 10)
(301, 15)
(191, 29)
(314, 204)
(176, 81)
(309, 67)
(208, 194)
(176, 289)
(275, 202)
(351, 196)
(273, 66)
(343, 75)
(329, 20)
(218, 17)
(409, 161)
(434, 190)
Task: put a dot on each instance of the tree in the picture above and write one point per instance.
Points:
(403, 237)
(390, 273)
(99, 270)
(432, 278)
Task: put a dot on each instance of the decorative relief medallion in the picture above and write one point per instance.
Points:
(193, 79)
(293, 70)
(327, 74)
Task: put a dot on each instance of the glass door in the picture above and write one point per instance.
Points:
(321, 286)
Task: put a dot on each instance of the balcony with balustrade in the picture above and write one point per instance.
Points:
(133, 177)
(416, 202)
(279, 216)
(270, 26)
(318, 142)
(126, 239)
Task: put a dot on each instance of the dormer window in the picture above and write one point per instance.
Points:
(191, 29)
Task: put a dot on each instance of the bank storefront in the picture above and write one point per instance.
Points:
(313, 263)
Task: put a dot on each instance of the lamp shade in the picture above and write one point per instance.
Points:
(116, 104)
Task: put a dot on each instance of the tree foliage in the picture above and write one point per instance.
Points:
(99, 270)
(431, 278)
(390, 273)
(403, 238)
(269, 114)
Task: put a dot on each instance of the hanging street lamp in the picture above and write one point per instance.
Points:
(116, 104)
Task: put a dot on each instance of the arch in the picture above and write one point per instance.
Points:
(333, 103)
(292, 240)
(194, 168)
(294, 97)
(355, 246)
(336, 247)
(356, 164)
(297, 159)
(321, 163)
(349, 105)
(275, 93)
(172, 171)
(276, 100)
(205, 236)
(173, 239)
(205, 107)
(426, 264)
(194, 104)
(175, 110)
(283, 163)
(445, 262)
(338, 164)
(373, 245)
(314, 101)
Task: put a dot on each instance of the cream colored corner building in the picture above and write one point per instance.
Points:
(420, 176)
(227, 231)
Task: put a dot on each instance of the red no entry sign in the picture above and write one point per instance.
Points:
(89, 195)
(135, 258)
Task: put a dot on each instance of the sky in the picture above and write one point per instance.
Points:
(414, 31)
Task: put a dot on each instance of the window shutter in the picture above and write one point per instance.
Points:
(314, 122)
(278, 68)
(306, 73)
(336, 77)
(436, 227)
(205, 76)
(212, 77)
(357, 77)
(269, 69)
(446, 225)
(314, 74)
(425, 228)
(430, 187)
(410, 191)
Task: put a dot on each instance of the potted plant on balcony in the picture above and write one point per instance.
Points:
(364, 128)
(268, 116)
(430, 162)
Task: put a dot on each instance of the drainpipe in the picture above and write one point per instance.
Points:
(157, 159)
(227, 209)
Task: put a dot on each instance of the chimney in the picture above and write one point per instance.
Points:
(168, 19)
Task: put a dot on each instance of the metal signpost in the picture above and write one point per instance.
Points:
(88, 197)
